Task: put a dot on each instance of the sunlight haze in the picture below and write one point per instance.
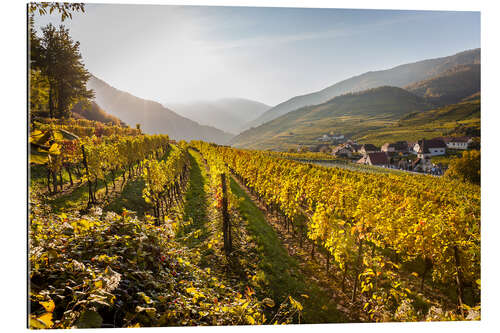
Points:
(178, 54)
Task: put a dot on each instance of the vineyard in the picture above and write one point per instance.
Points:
(133, 230)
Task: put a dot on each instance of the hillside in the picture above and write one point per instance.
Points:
(451, 86)
(463, 118)
(348, 114)
(399, 76)
(94, 112)
(228, 114)
(152, 116)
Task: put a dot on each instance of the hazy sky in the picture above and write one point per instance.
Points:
(176, 54)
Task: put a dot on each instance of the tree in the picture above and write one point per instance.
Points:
(466, 168)
(47, 93)
(60, 60)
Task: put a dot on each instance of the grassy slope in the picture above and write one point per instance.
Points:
(282, 273)
(427, 124)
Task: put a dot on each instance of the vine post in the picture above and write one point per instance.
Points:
(91, 198)
(226, 225)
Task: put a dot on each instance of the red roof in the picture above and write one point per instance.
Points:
(378, 158)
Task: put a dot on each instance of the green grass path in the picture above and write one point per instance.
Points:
(282, 275)
(195, 208)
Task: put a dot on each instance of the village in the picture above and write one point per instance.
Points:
(430, 156)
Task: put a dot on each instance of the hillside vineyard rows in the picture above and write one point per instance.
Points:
(357, 246)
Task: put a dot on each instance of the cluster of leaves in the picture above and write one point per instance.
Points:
(63, 8)
(118, 271)
(466, 168)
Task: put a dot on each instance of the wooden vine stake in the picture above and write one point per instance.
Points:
(91, 197)
(226, 225)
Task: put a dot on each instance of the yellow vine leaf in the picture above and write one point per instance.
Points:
(49, 305)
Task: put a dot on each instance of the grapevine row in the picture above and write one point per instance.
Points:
(164, 180)
(359, 218)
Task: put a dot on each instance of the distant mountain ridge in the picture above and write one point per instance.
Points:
(398, 76)
(227, 114)
(152, 116)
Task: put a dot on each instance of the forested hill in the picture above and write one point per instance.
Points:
(152, 116)
(399, 76)
(451, 86)
(349, 114)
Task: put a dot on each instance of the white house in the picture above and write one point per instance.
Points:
(426, 148)
(459, 142)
